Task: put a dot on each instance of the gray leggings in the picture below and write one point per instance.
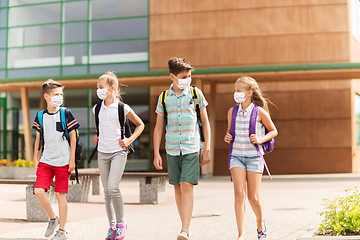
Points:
(111, 168)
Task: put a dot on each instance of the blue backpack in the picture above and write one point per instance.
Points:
(267, 146)
(63, 119)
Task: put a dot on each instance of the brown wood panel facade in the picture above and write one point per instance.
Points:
(246, 33)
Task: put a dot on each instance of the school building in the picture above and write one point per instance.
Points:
(305, 54)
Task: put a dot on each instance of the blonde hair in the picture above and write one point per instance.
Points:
(112, 80)
(257, 97)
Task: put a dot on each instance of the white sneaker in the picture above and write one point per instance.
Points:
(60, 235)
(53, 225)
(183, 236)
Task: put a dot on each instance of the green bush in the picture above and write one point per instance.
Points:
(341, 215)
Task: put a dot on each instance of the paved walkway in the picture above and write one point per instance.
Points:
(290, 205)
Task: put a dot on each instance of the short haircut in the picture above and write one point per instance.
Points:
(178, 65)
(49, 85)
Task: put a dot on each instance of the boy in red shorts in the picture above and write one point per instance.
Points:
(57, 159)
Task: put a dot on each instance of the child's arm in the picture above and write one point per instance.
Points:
(72, 135)
(124, 143)
(265, 118)
(158, 131)
(36, 151)
(205, 156)
(228, 136)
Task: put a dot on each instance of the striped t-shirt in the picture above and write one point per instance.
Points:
(182, 130)
(242, 145)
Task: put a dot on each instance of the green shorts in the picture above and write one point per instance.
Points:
(183, 168)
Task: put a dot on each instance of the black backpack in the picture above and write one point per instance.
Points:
(63, 120)
(125, 130)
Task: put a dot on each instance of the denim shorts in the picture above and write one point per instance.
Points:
(252, 164)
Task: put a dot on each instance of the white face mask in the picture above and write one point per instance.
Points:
(101, 93)
(56, 101)
(184, 83)
(239, 97)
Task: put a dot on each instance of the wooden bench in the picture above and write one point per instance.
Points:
(152, 184)
(34, 211)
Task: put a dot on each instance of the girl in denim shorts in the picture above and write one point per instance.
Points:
(246, 166)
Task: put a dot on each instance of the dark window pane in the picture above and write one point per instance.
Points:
(125, 67)
(74, 70)
(27, 15)
(74, 54)
(2, 38)
(120, 8)
(3, 3)
(34, 57)
(119, 29)
(74, 11)
(34, 72)
(75, 32)
(2, 74)
(2, 58)
(3, 17)
(125, 51)
(37, 35)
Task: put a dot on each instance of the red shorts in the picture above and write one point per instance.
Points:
(46, 173)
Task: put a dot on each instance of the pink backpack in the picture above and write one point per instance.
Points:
(267, 146)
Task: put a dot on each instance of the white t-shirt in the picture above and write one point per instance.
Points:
(109, 127)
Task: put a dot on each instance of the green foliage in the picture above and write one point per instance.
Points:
(341, 215)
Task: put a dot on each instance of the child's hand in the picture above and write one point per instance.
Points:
(228, 138)
(95, 139)
(36, 164)
(255, 140)
(71, 165)
(205, 157)
(158, 162)
(124, 143)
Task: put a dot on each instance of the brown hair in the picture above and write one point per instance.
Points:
(257, 97)
(112, 80)
(49, 85)
(178, 65)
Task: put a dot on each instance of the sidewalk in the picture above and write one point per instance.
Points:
(290, 207)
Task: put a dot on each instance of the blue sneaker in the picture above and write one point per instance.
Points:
(262, 234)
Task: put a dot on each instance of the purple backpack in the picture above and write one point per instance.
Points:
(267, 146)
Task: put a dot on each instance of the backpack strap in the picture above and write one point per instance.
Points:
(163, 97)
(121, 118)
(252, 130)
(97, 110)
(63, 121)
(232, 132)
(196, 100)
(40, 116)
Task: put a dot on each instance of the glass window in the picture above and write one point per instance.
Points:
(101, 9)
(2, 74)
(2, 38)
(124, 51)
(75, 11)
(34, 57)
(38, 14)
(355, 18)
(125, 67)
(3, 17)
(74, 54)
(74, 70)
(2, 58)
(34, 72)
(25, 2)
(119, 29)
(37, 35)
(3, 3)
(75, 32)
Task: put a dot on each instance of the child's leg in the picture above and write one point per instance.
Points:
(253, 186)
(118, 161)
(44, 202)
(104, 164)
(178, 198)
(187, 203)
(239, 180)
(63, 209)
